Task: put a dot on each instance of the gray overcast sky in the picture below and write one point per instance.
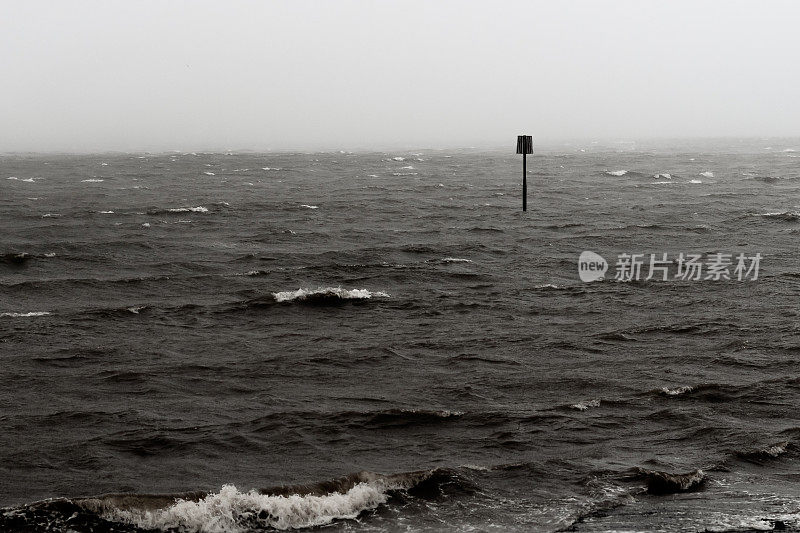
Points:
(160, 75)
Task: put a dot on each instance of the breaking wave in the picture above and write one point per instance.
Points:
(787, 216)
(233, 511)
(230, 510)
(583, 406)
(668, 483)
(772, 451)
(326, 295)
(198, 209)
(456, 260)
(675, 391)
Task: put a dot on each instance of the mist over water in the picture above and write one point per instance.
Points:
(382, 340)
(93, 76)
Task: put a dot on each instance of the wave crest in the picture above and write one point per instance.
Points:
(232, 511)
(668, 483)
(325, 295)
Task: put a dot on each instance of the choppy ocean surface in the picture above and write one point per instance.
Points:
(231, 342)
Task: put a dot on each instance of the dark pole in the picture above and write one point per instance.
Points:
(524, 182)
(524, 147)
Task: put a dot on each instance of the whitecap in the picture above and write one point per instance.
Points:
(409, 167)
(209, 173)
(616, 172)
(695, 181)
(398, 158)
(50, 254)
(24, 315)
(663, 176)
(92, 180)
(677, 390)
(328, 292)
(309, 206)
(456, 260)
(198, 209)
(231, 511)
(51, 215)
(707, 174)
(146, 225)
(106, 212)
(583, 406)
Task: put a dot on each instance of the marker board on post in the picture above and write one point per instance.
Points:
(524, 147)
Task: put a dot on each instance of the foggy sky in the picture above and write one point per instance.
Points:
(162, 75)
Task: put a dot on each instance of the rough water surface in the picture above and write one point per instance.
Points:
(383, 341)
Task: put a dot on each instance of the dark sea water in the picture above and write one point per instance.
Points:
(375, 343)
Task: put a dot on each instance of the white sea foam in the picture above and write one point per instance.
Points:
(92, 180)
(456, 260)
(208, 173)
(198, 209)
(231, 511)
(477, 468)
(398, 158)
(24, 315)
(617, 172)
(309, 206)
(408, 167)
(333, 292)
(106, 212)
(677, 390)
(663, 176)
(583, 406)
(50, 254)
(707, 174)
(51, 215)
(27, 180)
(790, 150)
(695, 181)
(146, 225)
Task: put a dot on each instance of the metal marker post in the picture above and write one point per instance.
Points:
(524, 147)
